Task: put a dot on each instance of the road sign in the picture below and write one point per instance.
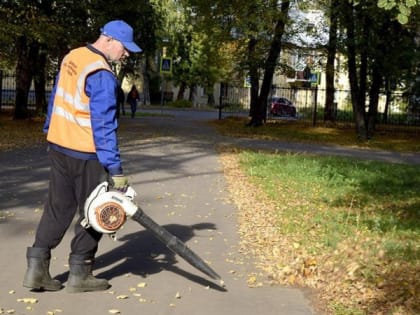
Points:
(315, 78)
(166, 65)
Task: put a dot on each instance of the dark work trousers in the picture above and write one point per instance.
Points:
(71, 182)
(133, 107)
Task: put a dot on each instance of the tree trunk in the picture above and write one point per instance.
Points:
(271, 63)
(255, 81)
(355, 90)
(330, 109)
(210, 96)
(146, 82)
(24, 68)
(191, 97)
(181, 91)
(373, 101)
(40, 82)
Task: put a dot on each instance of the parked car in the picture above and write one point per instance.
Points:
(282, 107)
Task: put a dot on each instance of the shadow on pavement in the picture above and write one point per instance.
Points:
(141, 253)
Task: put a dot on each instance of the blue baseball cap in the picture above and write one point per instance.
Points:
(122, 32)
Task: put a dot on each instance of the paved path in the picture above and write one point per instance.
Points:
(175, 170)
(366, 154)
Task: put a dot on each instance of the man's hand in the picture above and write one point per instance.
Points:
(119, 182)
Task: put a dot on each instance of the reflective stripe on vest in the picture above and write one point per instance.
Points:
(70, 124)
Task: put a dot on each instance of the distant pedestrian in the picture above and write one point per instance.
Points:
(132, 98)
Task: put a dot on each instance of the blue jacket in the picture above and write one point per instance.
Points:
(102, 88)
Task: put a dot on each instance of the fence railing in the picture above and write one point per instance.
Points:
(8, 92)
(394, 110)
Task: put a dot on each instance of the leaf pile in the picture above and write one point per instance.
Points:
(20, 133)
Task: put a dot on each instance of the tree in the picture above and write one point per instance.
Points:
(330, 65)
(259, 102)
(35, 27)
(197, 44)
(37, 34)
(255, 28)
(372, 59)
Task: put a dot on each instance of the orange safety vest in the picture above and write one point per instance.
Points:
(70, 124)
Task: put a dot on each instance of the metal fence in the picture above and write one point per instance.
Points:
(8, 92)
(394, 110)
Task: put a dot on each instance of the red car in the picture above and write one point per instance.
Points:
(281, 106)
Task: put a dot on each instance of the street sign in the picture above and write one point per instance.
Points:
(315, 78)
(166, 65)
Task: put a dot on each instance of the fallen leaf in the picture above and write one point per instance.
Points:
(122, 297)
(251, 280)
(142, 285)
(28, 300)
(114, 311)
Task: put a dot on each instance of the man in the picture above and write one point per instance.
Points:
(83, 150)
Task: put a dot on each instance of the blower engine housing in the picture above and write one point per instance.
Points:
(106, 210)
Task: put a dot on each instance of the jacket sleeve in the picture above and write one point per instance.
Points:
(50, 106)
(101, 87)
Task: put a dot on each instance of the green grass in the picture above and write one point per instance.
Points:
(342, 195)
(348, 211)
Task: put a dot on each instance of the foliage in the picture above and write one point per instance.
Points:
(404, 8)
(195, 47)
(373, 62)
(223, 42)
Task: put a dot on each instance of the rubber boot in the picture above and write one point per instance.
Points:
(81, 278)
(37, 275)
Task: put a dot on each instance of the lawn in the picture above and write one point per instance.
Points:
(345, 227)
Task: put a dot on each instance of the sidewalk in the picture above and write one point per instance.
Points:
(175, 170)
(284, 146)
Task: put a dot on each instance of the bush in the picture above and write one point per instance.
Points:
(181, 104)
